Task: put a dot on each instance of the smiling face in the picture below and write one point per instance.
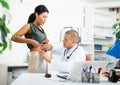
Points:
(41, 18)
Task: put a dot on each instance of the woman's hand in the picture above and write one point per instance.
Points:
(34, 43)
(45, 56)
(46, 41)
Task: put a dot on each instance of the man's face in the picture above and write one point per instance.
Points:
(67, 41)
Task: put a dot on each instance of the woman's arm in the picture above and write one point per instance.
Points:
(46, 56)
(18, 36)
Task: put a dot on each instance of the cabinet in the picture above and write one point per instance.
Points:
(103, 33)
(8, 72)
(96, 34)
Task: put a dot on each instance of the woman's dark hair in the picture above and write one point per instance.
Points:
(39, 9)
(31, 18)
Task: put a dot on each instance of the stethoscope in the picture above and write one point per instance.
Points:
(68, 57)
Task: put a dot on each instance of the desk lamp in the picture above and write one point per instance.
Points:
(114, 50)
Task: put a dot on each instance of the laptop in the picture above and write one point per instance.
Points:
(75, 72)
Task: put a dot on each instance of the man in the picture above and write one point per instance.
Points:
(69, 53)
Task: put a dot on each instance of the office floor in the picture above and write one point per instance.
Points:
(11, 80)
(15, 73)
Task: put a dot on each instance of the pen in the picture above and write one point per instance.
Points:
(90, 68)
(89, 77)
(83, 70)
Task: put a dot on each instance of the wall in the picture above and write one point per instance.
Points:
(19, 13)
(62, 13)
(107, 4)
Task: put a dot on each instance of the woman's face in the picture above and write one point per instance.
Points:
(41, 18)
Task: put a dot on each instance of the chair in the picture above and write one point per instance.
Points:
(88, 57)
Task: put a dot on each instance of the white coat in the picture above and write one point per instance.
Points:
(75, 54)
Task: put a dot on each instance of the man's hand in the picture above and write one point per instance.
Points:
(46, 47)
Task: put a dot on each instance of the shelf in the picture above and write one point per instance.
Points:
(101, 44)
(102, 22)
(102, 26)
(102, 37)
(101, 58)
(104, 13)
(100, 51)
(104, 19)
(85, 43)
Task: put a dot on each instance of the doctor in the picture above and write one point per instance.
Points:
(70, 52)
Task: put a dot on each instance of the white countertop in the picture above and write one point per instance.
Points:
(39, 79)
(17, 64)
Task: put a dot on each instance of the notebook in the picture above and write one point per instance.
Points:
(75, 72)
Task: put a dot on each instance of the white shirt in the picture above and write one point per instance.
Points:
(75, 54)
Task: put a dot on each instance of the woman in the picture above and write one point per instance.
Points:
(34, 37)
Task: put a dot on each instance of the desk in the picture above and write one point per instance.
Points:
(5, 69)
(39, 79)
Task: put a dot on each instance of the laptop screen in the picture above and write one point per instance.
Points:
(75, 72)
